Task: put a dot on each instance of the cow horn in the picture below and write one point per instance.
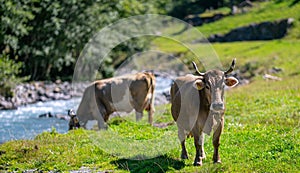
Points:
(196, 68)
(231, 67)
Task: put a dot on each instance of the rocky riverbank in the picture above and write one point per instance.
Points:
(29, 93)
(33, 92)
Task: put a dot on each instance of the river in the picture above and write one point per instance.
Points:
(24, 122)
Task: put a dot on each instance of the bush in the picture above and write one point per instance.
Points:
(9, 75)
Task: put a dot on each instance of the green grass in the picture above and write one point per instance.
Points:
(263, 54)
(262, 121)
(277, 53)
(261, 135)
(261, 12)
(210, 13)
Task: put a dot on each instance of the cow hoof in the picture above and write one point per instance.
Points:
(198, 163)
(217, 162)
(184, 156)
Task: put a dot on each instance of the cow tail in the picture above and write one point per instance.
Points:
(175, 106)
(151, 83)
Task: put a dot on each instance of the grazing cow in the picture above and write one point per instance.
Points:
(119, 94)
(198, 107)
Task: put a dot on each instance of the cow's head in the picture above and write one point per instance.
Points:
(74, 121)
(213, 84)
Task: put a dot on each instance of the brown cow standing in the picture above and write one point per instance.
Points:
(119, 94)
(198, 107)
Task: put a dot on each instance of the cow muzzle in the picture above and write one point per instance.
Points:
(217, 106)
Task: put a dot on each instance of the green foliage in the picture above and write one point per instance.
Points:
(9, 75)
(47, 36)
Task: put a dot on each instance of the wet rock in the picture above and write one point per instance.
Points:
(6, 105)
(50, 95)
(43, 99)
(58, 81)
(46, 115)
(58, 116)
(41, 91)
(57, 90)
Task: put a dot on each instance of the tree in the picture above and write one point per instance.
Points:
(9, 75)
(48, 35)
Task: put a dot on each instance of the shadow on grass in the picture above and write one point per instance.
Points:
(294, 3)
(157, 164)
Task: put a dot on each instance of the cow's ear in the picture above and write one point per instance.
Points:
(231, 81)
(198, 84)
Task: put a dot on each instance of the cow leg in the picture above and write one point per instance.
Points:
(181, 136)
(216, 142)
(198, 142)
(138, 115)
(71, 124)
(101, 124)
(201, 142)
(151, 108)
(150, 115)
(99, 117)
(184, 154)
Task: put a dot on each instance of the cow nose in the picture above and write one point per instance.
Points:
(217, 106)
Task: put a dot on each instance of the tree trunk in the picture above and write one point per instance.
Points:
(231, 7)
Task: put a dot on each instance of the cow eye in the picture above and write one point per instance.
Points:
(207, 87)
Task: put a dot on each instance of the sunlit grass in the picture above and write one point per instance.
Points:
(261, 134)
(262, 120)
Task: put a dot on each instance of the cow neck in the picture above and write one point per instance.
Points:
(204, 100)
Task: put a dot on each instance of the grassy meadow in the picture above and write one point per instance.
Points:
(262, 120)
